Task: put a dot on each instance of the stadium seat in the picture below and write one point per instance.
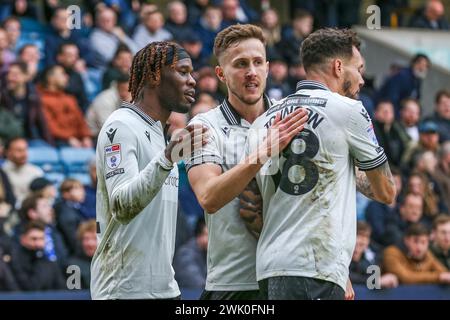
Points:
(76, 160)
(56, 177)
(46, 158)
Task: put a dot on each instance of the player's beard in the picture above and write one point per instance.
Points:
(245, 100)
(346, 86)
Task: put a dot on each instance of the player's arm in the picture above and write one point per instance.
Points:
(381, 175)
(129, 189)
(250, 208)
(215, 189)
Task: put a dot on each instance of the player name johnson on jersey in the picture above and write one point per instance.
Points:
(309, 191)
(134, 255)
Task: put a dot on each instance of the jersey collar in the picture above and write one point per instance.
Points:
(140, 113)
(311, 85)
(232, 116)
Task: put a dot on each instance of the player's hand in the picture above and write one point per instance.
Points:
(281, 133)
(251, 208)
(186, 141)
(349, 292)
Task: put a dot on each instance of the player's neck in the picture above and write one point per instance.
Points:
(329, 82)
(150, 105)
(249, 112)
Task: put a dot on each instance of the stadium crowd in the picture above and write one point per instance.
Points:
(58, 86)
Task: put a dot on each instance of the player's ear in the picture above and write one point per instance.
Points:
(338, 68)
(219, 73)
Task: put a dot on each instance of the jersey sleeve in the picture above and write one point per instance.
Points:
(210, 152)
(129, 189)
(363, 143)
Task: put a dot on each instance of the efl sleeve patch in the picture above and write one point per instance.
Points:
(113, 156)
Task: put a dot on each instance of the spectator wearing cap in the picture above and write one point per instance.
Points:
(44, 188)
(151, 29)
(37, 208)
(428, 141)
(412, 262)
(406, 83)
(20, 173)
(87, 244)
(442, 114)
(277, 85)
(192, 43)
(106, 102)
(207, 82)
(32, 270)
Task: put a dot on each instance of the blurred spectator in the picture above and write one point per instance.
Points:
(412, 262)
(440, 246)
(292, 37)
(409, 117)
(442, 173)
(208, 26)
(195, 9)
(23, 8)
(20, 173)
(30, 54)
(7, 198)
(6, 55)
(177, 121)
(7, 280)
(13, 30)
(107, 36)
(391, 135)
(277, 85)
(392, 12)
(60, 33)
(418, 184)
(176, 22)
(378, 215)
(201, 107)
(87, 208)
(364, 257)
(37, 208)
(410, 212)
(190, 260)
(120, 65)
(235, 11)
(406, 83)
(151, 29)
(32, 270)
(19, 97)
(64, 117)
(431, 17)
(270, 25)
(192, 43)
(106, 103)
(44, 188)
(296, 73)
(68, 213)
(87, 238)
(442, 114)
(428, 141)
(207, 82)
(68, 57)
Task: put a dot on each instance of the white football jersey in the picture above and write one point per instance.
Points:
(137, 196)
(231, 255)
(309, 191)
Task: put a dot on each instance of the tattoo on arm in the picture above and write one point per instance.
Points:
(363, 184)
(250, 208)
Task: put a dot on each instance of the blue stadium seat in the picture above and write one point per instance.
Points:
(45, 157)
(76, 160)
(84, 178)
(56, 177)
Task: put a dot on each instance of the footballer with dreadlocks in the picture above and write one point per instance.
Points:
(137, 190)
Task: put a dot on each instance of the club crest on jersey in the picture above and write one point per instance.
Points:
(113, 156)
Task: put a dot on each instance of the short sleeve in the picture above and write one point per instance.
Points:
(363, 143)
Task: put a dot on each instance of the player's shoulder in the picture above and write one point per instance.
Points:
(209, 118)
(120, 121)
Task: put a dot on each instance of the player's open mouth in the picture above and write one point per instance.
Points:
(190, 96)
(251, 86)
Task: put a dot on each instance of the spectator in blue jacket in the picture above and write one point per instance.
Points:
(406, 83)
